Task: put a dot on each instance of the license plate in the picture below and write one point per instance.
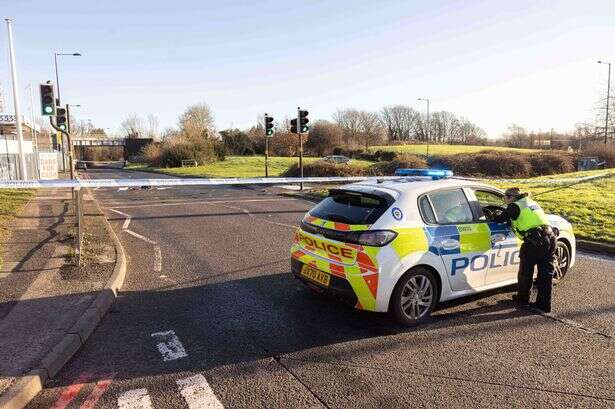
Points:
(315, 275)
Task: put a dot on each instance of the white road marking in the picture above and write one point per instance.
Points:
(134, 399)
(157, 251)
(137, 235)
(197, 393)
(169, 345)
(157, 259)
(126, 215)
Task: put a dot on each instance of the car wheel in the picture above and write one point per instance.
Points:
(562, 260)
(414, 297)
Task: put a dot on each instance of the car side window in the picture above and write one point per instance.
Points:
(426, 210)
(486, 198)
(451, 207)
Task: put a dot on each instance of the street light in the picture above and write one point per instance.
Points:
(68, 114)
(608, 92)
(55, 58)
(428, 124)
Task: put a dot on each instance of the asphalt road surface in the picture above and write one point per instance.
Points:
(210, 316)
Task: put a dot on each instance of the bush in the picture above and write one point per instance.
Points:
(606, 152)
(487, 163)
(406, 160)
(506, 164)
(384, 155)
(549, 163)
(323, 169)
(171, 152)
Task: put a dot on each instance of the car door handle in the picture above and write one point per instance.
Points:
(450, 244)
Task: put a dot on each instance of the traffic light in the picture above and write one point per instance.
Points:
(303, 120)
(293, 125)
(268, 125)
(61, 118)
(48, 101)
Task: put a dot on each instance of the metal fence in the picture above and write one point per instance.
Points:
(10, 166)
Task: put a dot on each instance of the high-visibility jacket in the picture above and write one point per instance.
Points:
(531, 216)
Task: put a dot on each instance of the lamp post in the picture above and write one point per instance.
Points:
(608, 92)
(22, 157)
(59, 134)
(55, 59)
(428, 125)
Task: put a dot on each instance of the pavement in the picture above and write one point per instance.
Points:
(45, 300)
(210, 316)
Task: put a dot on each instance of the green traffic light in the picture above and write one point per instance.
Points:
(48, 109)
(62, 127)
(305, 129)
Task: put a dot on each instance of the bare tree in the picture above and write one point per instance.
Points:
(349, 122)
(324, 136)
(133, 126)
(400, 122)
(197, 122)
(153, 127)
(517, 136)
(370, 128)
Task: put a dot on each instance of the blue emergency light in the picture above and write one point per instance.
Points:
(433, 173)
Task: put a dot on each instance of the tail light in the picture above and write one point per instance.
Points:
(373, 238)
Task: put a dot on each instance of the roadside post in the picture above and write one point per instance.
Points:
(299, 126)
(58, 119)
(268, 134)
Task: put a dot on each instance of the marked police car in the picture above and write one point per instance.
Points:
(403, 245)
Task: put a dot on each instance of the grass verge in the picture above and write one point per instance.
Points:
(237, 167)
(11, 202)
(590, 206)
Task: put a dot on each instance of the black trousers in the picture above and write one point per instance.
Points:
(537, 251)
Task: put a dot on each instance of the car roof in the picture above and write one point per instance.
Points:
(414, 185)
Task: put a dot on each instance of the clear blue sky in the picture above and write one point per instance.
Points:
(530, 62)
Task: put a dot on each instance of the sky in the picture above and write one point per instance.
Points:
(529, 62)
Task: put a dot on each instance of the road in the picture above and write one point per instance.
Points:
(209, 315)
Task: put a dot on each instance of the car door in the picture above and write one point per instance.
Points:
(504, 252)
(457, 237)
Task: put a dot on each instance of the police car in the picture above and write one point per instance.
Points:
(406, 244)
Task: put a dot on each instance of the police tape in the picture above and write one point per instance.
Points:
(112, 183)
(171, 182)
(544, 181)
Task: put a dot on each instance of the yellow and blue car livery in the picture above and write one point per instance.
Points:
(332, 252)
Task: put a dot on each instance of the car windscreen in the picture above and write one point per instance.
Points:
(349, 207)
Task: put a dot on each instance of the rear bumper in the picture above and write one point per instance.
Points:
(338, 287)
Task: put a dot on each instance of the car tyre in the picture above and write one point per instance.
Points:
(562, 260)
(415, 296)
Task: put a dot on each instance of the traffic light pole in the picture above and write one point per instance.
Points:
(76, 195)
(300, 146)
(266, 149)
(266, 156)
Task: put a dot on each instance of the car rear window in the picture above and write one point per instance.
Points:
(351, 207)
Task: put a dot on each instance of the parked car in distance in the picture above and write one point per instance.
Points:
(81, 165)
(338, 159)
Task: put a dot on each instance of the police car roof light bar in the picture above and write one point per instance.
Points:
(433, 173)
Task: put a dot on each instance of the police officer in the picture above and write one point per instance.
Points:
(530, 224)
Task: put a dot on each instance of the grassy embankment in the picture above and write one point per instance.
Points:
(444, 149)
(590, 207)
(237, 167)
(11, 202)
